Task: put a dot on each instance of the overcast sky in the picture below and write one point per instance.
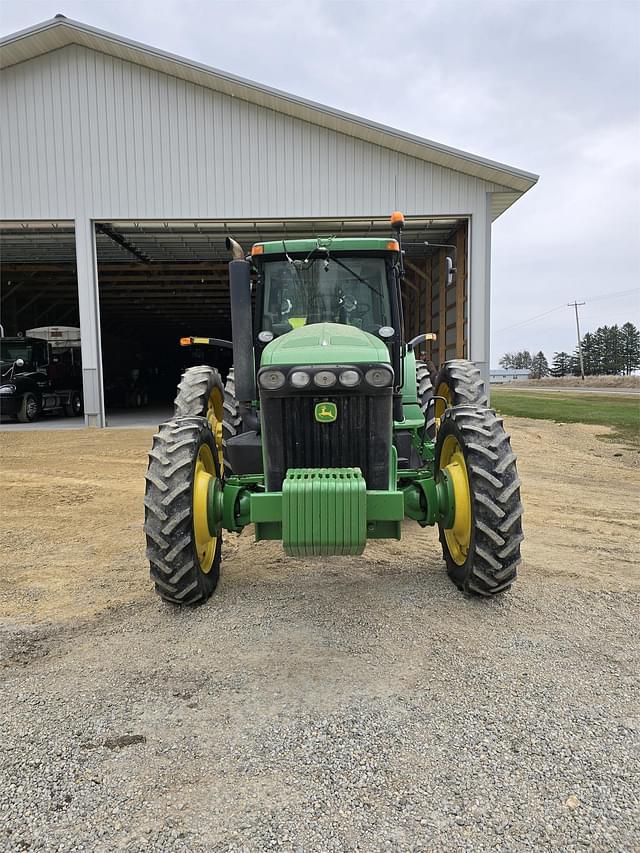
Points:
(550, 87)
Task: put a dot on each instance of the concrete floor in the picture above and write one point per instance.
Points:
(117, 419)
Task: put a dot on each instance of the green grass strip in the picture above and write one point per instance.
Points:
(620, 412)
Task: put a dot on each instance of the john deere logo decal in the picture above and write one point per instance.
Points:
(326, 413)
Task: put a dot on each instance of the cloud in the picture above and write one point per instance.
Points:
(551, 87)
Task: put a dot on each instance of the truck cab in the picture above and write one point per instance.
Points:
(41, 372)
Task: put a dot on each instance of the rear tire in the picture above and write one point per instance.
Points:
(30, 409)
(232, 422)
(460, 382)
(181, 571)
(493, 549)
(201, 394)
(73, 409)
(425, 397)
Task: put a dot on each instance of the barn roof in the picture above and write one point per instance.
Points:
(59, 32)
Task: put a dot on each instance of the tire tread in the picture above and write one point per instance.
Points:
(497, 509)
(168, 515)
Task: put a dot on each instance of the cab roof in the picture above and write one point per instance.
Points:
(333, 244)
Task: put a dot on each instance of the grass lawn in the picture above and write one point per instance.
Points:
(620, 412)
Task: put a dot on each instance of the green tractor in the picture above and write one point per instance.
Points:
(328, 431)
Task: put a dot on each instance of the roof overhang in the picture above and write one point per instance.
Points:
(60, 32)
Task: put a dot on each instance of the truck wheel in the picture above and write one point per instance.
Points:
(183, 553)
(30, 409)
(232, 422)
(460, 384)
(425, 397)
(73, 409)
(481, 547)
(201, 394)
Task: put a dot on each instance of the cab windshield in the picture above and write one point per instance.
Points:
(12, 350)
(349, 290)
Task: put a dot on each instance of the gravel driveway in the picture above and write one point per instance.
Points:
(356, 704)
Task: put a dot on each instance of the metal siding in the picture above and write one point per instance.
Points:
(89, 136)
(54, 34)
(85, 133)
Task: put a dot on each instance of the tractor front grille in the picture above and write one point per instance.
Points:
(360, 437)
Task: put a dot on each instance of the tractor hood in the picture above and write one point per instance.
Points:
(325, 343)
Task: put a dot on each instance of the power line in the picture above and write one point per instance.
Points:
(617, 295)
(537, 317)
(531, 319)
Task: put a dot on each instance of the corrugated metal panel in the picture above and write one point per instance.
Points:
(87, 133)
(59, 32)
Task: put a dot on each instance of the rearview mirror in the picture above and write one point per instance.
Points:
(451, 270)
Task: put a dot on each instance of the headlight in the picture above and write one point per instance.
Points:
(7, 389)
(299, 379)
(272, 379)
(379, 377)
(386, 331)
(349, 378)
(325, 378)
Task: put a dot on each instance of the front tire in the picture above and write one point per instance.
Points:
(30, 409)
(183, 554)
(482, 546)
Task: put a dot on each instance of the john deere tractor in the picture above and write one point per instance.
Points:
(328, 431)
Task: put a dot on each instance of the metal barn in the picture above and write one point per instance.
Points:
(124, 168)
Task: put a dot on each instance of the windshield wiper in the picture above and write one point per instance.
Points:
(344, 266)
(323, 250)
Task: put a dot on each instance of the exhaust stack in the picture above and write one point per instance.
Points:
(242, 326)
(235, 248)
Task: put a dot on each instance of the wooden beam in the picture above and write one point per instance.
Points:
(416, 269)
(427, 306)
(442, 299)
(461, 275)
(411, 284)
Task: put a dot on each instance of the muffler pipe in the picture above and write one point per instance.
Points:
(242, 326)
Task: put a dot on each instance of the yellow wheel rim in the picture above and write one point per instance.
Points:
(204, 474)
(215, 414)
(459, 536)
(442, 390)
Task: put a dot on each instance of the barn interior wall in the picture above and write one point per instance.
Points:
(432, 305)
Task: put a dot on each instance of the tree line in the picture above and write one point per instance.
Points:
(610, 350)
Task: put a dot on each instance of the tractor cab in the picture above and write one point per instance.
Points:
(350, 282)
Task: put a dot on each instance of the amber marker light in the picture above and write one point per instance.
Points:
(185, 342)
(258, 249)
(393, 246)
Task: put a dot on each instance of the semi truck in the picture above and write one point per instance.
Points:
(41, 372)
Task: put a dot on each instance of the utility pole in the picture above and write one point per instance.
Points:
(575, 305)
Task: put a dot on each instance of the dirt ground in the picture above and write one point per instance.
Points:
(72, 545)
(339, 705)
